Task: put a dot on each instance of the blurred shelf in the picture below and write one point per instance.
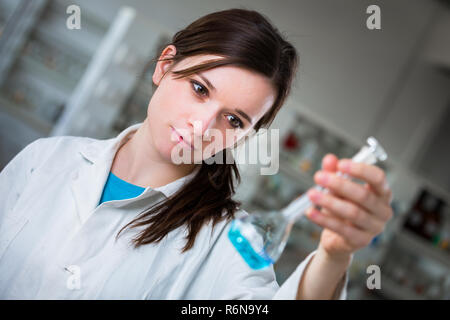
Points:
(55, 40)
(304, 180)
(262, 202)
(91, 18)
(58, 80)
(44, 32)
(81, 43)
(391, 289)
(300, 239)
(435, 188)
(415, 243)
(29, 118)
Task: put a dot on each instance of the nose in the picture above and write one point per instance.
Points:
(203, 120)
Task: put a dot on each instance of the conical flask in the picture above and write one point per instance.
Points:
(260, 237)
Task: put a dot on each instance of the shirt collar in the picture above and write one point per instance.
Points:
(105, 150)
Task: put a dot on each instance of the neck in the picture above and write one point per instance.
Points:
(139, 163)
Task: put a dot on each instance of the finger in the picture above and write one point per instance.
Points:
(387, 197)
(347, 210)
(350, 190)
(330, 162)
(371, 174)
(357, 238)
(387, 201)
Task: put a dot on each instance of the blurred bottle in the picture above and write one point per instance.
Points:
(436, 289)
(306, 158)
(320, 151)
(416, 216)
(332, 144)
(399, 273)
(444, 232)
(432, 207)
(446, 288)
(425, 217)
(291, 142)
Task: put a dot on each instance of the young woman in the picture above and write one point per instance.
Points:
(84, 218)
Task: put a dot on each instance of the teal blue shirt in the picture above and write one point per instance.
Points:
(118, 189)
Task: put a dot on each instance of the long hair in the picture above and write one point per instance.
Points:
(244, 38)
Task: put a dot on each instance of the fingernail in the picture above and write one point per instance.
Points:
(313, 213)
(344, 165)
(314, 195)
(322, 177)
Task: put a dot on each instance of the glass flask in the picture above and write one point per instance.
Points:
(260, 237)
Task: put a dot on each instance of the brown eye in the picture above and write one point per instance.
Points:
(199, 89)
(235, 121)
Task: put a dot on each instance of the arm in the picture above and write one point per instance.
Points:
(313, 284)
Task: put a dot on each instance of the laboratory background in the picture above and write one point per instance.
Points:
(353, 82)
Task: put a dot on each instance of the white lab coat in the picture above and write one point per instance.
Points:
(56, 243)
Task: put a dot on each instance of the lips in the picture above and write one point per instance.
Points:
(181, 139)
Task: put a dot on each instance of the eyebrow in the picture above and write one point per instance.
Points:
(209, 84)
(242, 113)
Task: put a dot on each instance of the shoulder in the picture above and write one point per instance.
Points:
(241, 213)
(55, 152)
(35, 151)
(46, 144)
(58, 142)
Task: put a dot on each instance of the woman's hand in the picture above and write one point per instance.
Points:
(351, 214)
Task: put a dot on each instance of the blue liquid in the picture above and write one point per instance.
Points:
(251, 257)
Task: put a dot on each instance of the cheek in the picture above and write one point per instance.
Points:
(220, 142)
(169, 97)
(159, 130)
(161, 104)
(163, 144)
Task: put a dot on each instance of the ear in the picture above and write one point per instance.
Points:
(163, 66)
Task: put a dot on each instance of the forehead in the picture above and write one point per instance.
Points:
(236, 87)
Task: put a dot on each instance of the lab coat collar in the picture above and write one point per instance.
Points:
(89, 180)
(97, 150)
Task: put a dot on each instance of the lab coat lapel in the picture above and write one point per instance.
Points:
(89, 180)
(87, 184)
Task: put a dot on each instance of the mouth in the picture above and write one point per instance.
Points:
(181, 139)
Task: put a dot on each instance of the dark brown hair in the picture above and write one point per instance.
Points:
(246, 39)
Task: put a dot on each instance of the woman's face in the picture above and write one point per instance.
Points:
(225, 101)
